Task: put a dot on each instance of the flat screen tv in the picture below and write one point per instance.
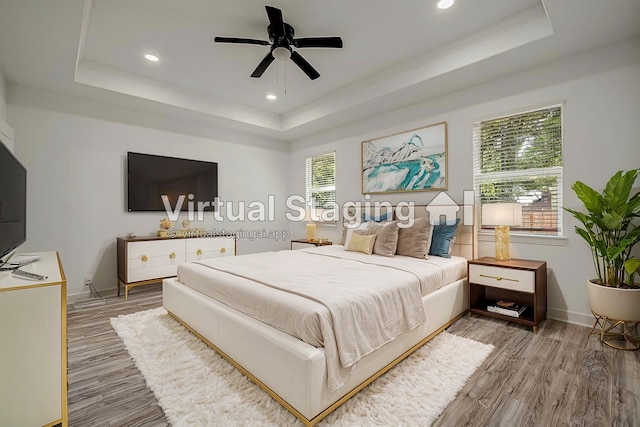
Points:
(13, 202)
(150, 176)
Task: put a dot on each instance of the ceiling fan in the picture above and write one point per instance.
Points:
(282, 43)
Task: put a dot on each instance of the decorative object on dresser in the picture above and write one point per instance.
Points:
(609, 230)
(304, 243)
(33, 345)
(517, 281)
(502, 216)
(146, 260)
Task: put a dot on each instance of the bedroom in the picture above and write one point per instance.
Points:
(73, 143)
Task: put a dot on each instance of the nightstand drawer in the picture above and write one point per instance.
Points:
(505, 278)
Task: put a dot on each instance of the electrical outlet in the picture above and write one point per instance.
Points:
(88, 279)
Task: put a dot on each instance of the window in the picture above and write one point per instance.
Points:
(321, 183)
(518, 158)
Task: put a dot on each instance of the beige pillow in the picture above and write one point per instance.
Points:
(415, 241)
(387, 237)
(362, 243)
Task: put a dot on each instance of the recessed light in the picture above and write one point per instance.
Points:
(271, 97)
(151, 57)
(445, 4)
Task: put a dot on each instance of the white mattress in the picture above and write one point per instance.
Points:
(247, 290)
(297, 315)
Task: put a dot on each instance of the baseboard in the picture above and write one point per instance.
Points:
(573, 317)
(86, 295)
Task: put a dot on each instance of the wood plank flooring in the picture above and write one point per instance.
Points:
(559, 377)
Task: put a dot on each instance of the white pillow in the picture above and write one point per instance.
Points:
(362, 226)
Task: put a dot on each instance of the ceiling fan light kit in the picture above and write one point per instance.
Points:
(282, 43)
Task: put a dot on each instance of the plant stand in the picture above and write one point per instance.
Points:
(618, 334)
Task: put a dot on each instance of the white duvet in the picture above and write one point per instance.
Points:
(347, 302)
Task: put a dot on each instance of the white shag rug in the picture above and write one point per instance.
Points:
(196, 387)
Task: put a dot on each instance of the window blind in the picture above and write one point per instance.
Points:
(518, 158)
(321, 181)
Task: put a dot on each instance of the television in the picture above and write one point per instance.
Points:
(13, 202)
(150, 176)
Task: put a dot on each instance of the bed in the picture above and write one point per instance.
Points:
(305, 365)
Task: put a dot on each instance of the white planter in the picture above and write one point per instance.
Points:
(614, 303)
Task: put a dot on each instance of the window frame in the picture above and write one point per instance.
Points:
(320, 213)
(521, 234)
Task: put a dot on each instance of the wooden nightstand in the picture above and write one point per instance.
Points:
(304, 243)
(521, 281)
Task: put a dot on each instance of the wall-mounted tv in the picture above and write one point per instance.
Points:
(13, 202)
(150, 176)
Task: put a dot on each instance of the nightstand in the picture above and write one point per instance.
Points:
(304, 243)
(520, 281)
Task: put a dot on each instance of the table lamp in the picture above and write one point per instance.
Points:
(311, 226)
(502, 216)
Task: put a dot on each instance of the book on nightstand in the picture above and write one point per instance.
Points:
(507, 308)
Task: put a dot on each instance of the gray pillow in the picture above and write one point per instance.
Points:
(387, 237)
(415, 241)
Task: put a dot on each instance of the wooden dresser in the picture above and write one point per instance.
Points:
(145, 260)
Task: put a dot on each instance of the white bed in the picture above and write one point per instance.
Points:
(307, 379)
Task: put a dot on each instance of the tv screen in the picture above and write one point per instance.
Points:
(149, 177)
(13, 202)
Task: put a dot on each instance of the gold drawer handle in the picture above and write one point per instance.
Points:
(223, 250)
(144, 258)
(199, 252)
(499, 278)
(172, 255)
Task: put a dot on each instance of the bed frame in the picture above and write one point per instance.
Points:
(294, 372)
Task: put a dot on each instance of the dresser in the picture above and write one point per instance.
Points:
(145, 260)
(33, 345)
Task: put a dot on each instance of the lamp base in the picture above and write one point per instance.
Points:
(311, 231)
(502, 242)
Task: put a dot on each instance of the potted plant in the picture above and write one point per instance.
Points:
(610, 228)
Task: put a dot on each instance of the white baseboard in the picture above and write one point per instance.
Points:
(574, 317)
(85, 295)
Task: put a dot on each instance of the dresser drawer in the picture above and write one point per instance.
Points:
(155, 248)
(505, 278)
(205, 248)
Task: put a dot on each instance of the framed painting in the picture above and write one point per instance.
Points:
(415, 160)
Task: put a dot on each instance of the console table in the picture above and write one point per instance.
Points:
(146, 260)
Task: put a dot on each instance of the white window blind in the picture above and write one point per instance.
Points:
(321, 181)
(518, 158)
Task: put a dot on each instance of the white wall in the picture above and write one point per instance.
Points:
(76, 186)
(3, 98)
(601, 128)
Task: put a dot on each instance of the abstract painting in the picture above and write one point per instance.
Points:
(414, 160)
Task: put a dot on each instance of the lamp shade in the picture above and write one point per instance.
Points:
(502, 214)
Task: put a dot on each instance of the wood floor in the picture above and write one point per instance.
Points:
(559, 377)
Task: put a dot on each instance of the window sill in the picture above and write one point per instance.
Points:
(527, 240)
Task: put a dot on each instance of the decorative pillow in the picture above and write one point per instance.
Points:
(443, 238)
(362, 243)
(366, 217)
(349, 232)
(387, 237)
(415, 241)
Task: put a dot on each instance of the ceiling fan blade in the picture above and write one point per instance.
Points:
(275, 16)
(318, 42)
(262, 66)
(239, 40)
(304, 65)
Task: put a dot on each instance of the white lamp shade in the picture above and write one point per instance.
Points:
(502, 214)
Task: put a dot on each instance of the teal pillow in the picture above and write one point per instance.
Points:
(443, 237)
(382, 218)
